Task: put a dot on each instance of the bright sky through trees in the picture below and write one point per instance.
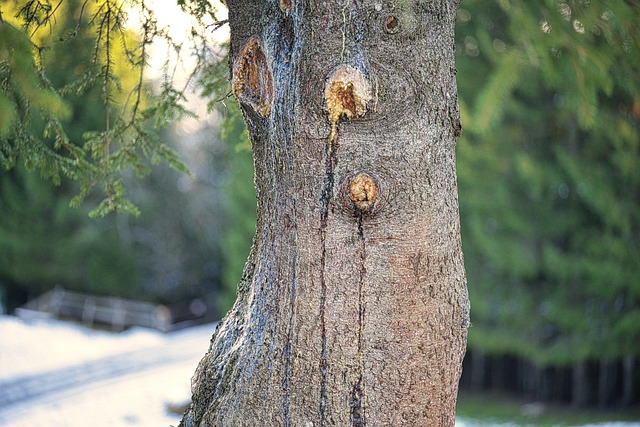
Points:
(178, 25)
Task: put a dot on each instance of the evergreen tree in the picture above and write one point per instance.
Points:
(43, 241)
(549, 178)
(30, 38)
(179, 234)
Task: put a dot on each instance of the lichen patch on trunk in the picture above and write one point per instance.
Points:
(251, 79)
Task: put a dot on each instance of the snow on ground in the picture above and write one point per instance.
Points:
(42, 345)
(56, 374)
(137, 400)
(108, 379)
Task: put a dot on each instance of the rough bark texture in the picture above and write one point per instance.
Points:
(352, 310)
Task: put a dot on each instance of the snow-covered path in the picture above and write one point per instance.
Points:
(93, 378)
(25, 389)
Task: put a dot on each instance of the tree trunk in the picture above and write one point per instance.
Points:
(580, 389)
(352, 309)
(628, 364)
(606, 375)
(478, 370)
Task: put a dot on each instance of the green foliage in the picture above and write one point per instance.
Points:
(42, 240)
(21, 82)
(178, 237)
(549, 177)
(112, 132)
(202, 10)
(23, 94)
(33, 128)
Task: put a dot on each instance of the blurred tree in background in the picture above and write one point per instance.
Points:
(43, 241)
(179, 235)
(549, 174)
(169, 254)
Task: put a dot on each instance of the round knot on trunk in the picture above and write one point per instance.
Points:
(363, 192)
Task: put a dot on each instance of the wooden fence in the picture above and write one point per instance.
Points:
(118, 313)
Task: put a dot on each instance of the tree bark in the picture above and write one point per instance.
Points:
(352, 309)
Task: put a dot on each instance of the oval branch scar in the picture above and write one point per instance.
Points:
(251, 80)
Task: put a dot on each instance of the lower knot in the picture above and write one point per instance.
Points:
(363, 192)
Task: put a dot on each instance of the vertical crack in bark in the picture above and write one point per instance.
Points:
(346, 95)
(358, 418)
(357, 406)
(323, 327)
(264, 326)
(288, 368)
(325, 200)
